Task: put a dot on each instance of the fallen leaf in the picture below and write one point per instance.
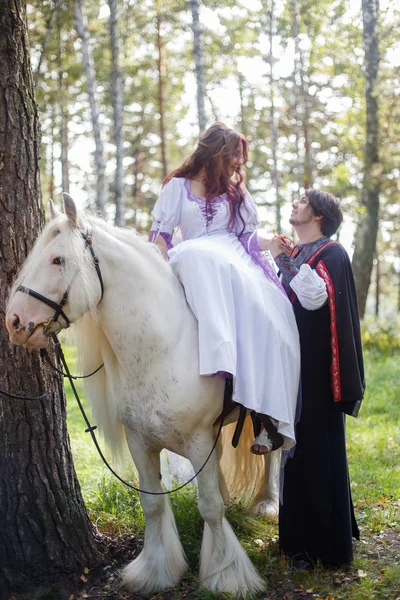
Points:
(84, 579)
(86, 570)
(362, 573)
(330, 598)
(310, 591)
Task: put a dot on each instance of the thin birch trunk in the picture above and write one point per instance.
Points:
(296, 89)
(199, 63)
(63, 102)
(243, 120)
(63, 136)
(398, 291)
(117, 103)
(88, 65)
(161, 100)
(273, 123)
(308, 170)
(377, 286)
(367, 229)
(52, 157)
(50, 24)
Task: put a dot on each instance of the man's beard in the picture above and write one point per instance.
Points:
(295, 222)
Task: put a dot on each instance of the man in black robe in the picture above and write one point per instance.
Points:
(316, 520)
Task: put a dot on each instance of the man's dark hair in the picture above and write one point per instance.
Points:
(325, 205)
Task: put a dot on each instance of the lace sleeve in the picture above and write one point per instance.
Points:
(249, 240)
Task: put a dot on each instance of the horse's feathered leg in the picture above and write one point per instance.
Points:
(267, 500)
(161, 563)
(224, 565)
(223, 488)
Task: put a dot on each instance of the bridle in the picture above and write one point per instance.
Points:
(59, 308)
(59, 312)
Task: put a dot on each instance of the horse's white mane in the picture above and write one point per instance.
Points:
(73, 250)
(93, 345)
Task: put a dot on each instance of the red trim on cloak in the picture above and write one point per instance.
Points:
(335, 364)
(324, 274)
(296, 251)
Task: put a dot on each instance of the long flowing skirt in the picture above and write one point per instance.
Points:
(246, 325)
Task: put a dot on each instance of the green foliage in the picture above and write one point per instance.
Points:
(373, 452)
(115, 508)
(381, 334)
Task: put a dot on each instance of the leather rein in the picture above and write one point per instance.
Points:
(59, 312)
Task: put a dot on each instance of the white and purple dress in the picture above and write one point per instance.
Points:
(246, 322)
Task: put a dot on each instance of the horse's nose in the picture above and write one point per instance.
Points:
(16, 323)
(13, 323)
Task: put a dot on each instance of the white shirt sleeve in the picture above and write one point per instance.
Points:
(309, 288)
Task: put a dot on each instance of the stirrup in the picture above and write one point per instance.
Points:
(267, 441)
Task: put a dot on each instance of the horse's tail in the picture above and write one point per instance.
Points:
(244, 472)
(94, 350)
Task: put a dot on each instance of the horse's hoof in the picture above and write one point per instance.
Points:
(267, 508)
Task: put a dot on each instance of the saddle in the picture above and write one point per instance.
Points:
(257, 418)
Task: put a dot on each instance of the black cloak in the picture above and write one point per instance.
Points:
(316, 518)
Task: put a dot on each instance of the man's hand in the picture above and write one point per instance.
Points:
(276, 245)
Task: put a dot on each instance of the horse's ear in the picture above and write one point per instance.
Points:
(70, 210)
(53, 211)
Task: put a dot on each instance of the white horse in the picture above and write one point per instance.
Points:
(149, 392)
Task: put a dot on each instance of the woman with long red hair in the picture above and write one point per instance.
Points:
(247, 329)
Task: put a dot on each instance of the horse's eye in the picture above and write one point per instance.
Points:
(59, 260)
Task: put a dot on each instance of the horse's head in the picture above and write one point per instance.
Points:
(58, 263)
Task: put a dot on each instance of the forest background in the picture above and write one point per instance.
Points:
(123, 89)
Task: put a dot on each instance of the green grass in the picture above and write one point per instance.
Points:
(374, 462)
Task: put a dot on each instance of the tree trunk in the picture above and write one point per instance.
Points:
(161, 101)
(117, 103)
(243, 119)
(378, 286)
(398, 292)
(52, 186)
(308, 170)
(45, 530)
(50, 24)
(199, 64)
(273, 125)
(63, 137)
(367, 228)
(63, 101)
(296, 89)
(81, 28)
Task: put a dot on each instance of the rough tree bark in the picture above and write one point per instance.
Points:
(199, 64)
(367, 229)
(88, 65)
(45, 530)
(117, 103)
